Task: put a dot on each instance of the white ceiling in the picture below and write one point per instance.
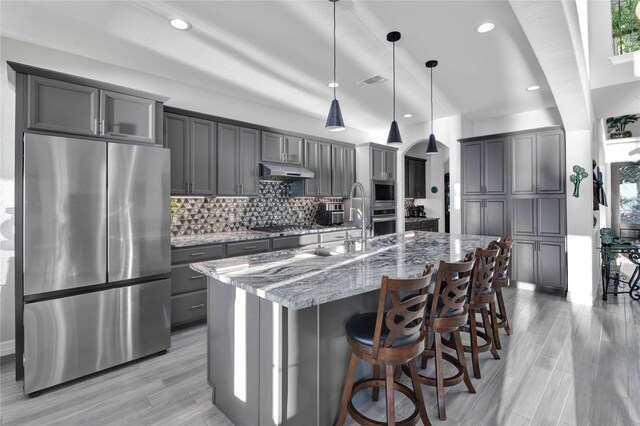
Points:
(279, 52)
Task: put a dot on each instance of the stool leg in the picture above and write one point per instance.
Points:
(398, 373)
(417, 389)
(348, 387)
(487, 328)
(503, 311)
(391, 408)
(463, 361)
(376, 375)
(494, 325)
(442, 414)
(474, 344)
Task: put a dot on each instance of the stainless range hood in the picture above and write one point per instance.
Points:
(284, 172)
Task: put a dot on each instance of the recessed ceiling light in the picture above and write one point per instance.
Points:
(333, 84)
(408, 115)
(180, 24)
(532, 88)
(486, 27)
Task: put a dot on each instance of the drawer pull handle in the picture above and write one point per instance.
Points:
(197, 277)
(339, 237)
(197, 254)
(249, 247)
(201, 305)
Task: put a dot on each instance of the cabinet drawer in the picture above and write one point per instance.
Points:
(412, 226)
(184, 279)
(189, 307)
(355, 233)
(197, 254)
(282, 243)
(247, 247)
(429, 225)
(332, 236)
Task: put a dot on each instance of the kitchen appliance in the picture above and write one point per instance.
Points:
(284, 172)
(331, 213)
(383, 220)
(383, 192)
(96, 256)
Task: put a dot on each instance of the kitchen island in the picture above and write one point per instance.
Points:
(277, 352)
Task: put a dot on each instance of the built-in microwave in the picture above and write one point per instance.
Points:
(383, 220)
(383, 192)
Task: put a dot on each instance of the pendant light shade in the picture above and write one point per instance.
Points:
(432, 148)
(335, 123)
(394, 132)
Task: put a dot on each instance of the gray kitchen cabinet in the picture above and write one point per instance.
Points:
(176, 135)
(414, 178)
(542, 263)
(127, 118)
(484, 167)
(542, 217)
(390, 164)
(485, 217)
(79, 114)
(238, 157)
(524, 267)
(472, 216)
(318, 159)
(538, 163)
(343, 174)
(383, 164)
(280, 148)
(524, 217)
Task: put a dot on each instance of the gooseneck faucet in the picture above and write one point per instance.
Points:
(352, 193)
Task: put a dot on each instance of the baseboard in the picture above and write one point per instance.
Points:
(539, 288)
(7, 348)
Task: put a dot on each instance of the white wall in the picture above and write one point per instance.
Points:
(514, 122)
(616, 100)
(181, 95)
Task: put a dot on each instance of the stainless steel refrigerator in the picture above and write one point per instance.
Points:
(96, 256)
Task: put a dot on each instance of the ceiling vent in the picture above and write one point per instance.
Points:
(374, 79)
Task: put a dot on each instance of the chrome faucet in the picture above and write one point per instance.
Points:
(352, 193)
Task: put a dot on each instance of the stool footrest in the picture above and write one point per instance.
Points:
(360, 418)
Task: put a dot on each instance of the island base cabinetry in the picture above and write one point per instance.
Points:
(269, 365)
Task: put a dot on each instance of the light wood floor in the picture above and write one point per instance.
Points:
(564, 364)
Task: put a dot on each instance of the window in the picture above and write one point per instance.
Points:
(625, 25)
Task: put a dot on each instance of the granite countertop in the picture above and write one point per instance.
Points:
(301, 278)
(419, 219)
(226, 237)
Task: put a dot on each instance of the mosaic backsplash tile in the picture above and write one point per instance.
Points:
(273, 206)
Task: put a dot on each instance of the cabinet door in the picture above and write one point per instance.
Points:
(550, 162)
(176, 138)
(228, 159)
(472, 217)
(407, 179)
(551, 264)
(472, 168)
(324, 154)
(126, 117)
(524, 261)
(62, 107)
(551, 217)
(419, 169)
(495, 167)
(337, 171)
(377, 164)
(311, 162)
(248, 161)
(203, 156)
(496, 222)
(293, 148)
(349, 169)
(390, 165)
(272, 147)
(524, 216)
(523, 164)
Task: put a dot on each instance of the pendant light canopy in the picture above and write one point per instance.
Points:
(432, 148)
(335, 123)
(394, 132)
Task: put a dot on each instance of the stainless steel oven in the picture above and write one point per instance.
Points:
(383, 220)
(383, 192)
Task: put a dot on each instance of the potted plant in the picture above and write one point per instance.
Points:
(616, 126)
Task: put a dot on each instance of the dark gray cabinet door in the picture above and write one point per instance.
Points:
(524, 261)
(228, 159)
(472, 211)
(176, 138)
(293, 149)
(311, 160)
(79, 114)
(248, 161)
(472, 168)
(390, 165)
(496, 221)
(126, 117)
(378, 171)
(551, 264)
(338, 166)
(272, 147)
(495, 167)
(551, 217)
(349, 169)
(324, 150)
(524, 216)
(550, 165)
(419, 178)
(523, 164)
(203, 156)
(408, 182)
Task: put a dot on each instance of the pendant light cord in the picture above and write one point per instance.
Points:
(431, 100)
(394, 81)
(334, 50)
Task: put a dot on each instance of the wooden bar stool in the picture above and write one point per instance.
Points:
(446, 312)
(500, 281)
(389, 339)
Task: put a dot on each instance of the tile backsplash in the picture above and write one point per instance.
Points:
(273, 206)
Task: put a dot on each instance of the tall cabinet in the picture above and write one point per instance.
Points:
(514, 184)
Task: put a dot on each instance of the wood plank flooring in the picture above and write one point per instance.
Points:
(564, 365)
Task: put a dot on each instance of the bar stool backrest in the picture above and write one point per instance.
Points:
(502, 262)
(484, 270)
(452, 286)
(406, 315)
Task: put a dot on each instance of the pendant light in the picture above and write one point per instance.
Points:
(432, 148)
(335, 123)
(394, 133)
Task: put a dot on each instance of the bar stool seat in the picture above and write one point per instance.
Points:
(361, 328)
